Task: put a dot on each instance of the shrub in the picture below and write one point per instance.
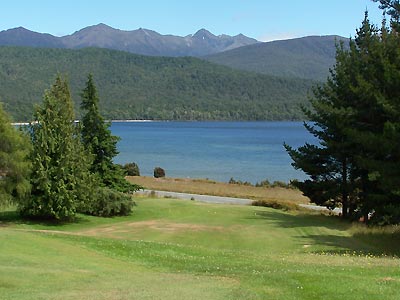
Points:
(159, 172)
(275, 204)
(239, 182)
(108, 203)
(264, 183)
(131, 169)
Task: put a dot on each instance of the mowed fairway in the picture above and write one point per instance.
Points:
(174, 249)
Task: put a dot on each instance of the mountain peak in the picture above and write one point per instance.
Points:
(203, 33)
(140, 41)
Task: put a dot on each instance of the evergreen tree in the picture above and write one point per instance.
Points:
(329, 164)
(99, 141)
(339, 106)
(60, 178)
(14, 162)
(392, 8)
(377, 130)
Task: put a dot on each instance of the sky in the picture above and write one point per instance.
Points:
(264, 20)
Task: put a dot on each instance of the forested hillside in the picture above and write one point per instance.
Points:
(308, 57)
(139, 87)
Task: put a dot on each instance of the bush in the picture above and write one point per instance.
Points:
(159, 172)
(275, 204)
(131, 169)
(108, 203)
(239, 182)
(264, 183)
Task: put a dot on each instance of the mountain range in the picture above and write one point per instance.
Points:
(140, 41)
(232, 78)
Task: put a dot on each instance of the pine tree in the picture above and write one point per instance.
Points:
(99, 141)
(60, 178)
(14, 162)
(392, 8)
(377, 130)
(356, 116)
(339, 106)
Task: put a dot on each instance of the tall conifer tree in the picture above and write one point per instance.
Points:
(60, 167)
(96, 135)
(99, 141)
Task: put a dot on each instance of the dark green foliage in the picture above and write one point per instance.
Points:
(109, 203)
(275, 204)
(60, 179)
(132, 169)
(307, 57)
(356, 116)
(392, 8)
(100, 143)
(159, 172)
(14, 162)
(140, 87)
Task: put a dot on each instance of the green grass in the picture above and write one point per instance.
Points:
(171, 249)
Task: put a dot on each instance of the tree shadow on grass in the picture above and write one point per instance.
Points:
(360, 240)
(8, 218)
(286, 220)
(377, 244)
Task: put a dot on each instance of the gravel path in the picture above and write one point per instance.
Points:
(224, 200)
(201, 198)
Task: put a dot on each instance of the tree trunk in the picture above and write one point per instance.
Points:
(345, 193)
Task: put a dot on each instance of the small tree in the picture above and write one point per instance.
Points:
(159, 172)
(99, 141)
(14, 162)
(132, 169)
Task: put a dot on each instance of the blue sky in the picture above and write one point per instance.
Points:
(261, 19)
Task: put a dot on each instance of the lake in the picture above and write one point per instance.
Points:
(247, 151)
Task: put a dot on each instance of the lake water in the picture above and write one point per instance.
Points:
(247, 151)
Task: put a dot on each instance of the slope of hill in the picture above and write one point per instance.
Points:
(142, 87)
(140, 41)
(308, 57)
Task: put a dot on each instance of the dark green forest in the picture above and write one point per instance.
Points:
(308, 57)
(139, 87)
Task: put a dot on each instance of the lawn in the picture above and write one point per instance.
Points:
(174, 249)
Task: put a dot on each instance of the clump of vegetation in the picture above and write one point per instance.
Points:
(265, 183)
(14, 162)
(275, 204)
(239, 182)
(110, 203)
(159, 172)
(132, 169)
(72, 167)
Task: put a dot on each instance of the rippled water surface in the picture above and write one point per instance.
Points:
(247, 151)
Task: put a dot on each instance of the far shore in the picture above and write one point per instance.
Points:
(76, 121)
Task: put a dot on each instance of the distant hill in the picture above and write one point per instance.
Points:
(140, 41)
(143, 87)
(308, 57)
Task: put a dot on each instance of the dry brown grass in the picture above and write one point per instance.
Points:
(208, 187)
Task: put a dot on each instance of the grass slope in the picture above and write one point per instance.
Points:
(139, 87)
(171, 249)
